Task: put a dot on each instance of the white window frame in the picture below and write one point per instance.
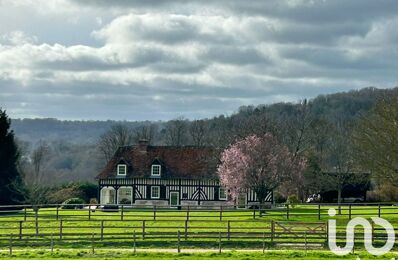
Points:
(225, 193)
(152, 189)
(118, 169)
(160, 169)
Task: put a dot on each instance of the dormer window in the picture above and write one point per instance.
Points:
(121, 170)
(155, 170)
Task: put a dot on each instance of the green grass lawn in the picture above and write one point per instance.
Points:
(78, 227)
(113, 254)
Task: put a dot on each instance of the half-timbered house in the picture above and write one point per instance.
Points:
(165, 175)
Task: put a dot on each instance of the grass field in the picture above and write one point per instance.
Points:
(161, 227)
(113, 254)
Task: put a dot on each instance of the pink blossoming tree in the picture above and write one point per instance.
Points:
(258, 163)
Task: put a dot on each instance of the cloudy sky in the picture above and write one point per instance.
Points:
(154, 59)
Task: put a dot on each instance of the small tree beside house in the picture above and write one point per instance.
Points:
(257, 163)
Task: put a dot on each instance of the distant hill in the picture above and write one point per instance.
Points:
(344, 106)
(50, 129)
(73, 155)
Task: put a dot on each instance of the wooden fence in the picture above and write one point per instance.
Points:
(166, 233)
(45, 225)
(319, 211)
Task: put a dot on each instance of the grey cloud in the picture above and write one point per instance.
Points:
(158, 59)
(307, 11)
(235, 55)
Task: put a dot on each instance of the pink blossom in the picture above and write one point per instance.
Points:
(257, 163)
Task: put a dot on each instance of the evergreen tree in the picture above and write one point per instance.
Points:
(9, 174)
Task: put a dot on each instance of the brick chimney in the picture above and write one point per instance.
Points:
(143, 145)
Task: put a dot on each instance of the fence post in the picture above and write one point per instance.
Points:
(287, 211)
(89, 213)
(24, 217)
(373, 231)
(60, 229)
(254, 212)
(319, 211)
(52, 243)
(102, 230)
(57, 212)
(178, 241)
(305, 238)
(379, 212)
(20, 229)
(229, 230)
(220, 213)
(186, 229)
(122, 213)
(143, 229)
(219, 242)
(134, 245)
(92, 244)
(10, 245)
(187, 213)
(154, 212)
(263, 242)
(349, 211)
(37, 221)
(327, 233)
(272, 231)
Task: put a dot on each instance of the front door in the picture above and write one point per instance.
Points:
(174, 198)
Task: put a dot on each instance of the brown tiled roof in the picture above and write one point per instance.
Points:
(177, 162)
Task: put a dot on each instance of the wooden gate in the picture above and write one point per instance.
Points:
(297, 233)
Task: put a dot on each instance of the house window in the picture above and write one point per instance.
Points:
(155, 171)
(155, 192)
(222, 193)
(121, 169)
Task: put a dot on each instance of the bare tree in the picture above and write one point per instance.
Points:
(376, 140)
(294, 128)
(340, 169)
(119, 135)
(145, 132)
(38, 158)
(198, 131)
(32, 184)
(176, 131)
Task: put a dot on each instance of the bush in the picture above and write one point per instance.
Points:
(279, 198)
(70, 203)
(383, 193)
(60, 194)
(292, 200)
(89, 190)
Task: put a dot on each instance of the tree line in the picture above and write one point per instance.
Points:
(334, 133)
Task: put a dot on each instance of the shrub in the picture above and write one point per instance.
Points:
(383, 193)
(89, 190)
(279, 198)
(292, 200)
(59, 195)
(70, 203)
